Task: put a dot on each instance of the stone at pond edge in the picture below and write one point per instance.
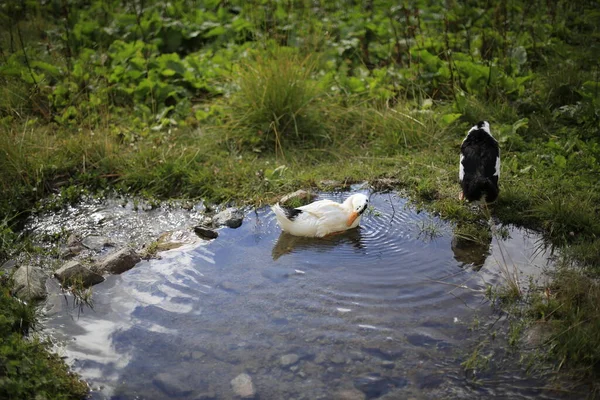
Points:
(230, 217)
(205, 233)
(297, 198)
(74, 270)
(384, 184)
(242, 386)
(29, 283)
(117, 263)
(537, 334)
(97, 243)
(8, 266)
(174, 239)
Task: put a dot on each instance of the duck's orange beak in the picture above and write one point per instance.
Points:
(352, 218)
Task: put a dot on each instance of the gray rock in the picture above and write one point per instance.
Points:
(117, 263)
(71, 251)
(205, 233)
(338, 359)
(536, 334)
(74, 270)
(349, 394)
(171, 385)
(174, 239)
(205, 396)
(8, 266)
(73, 240)
(243, 387)
(230, 286)
(289, 359)
(97, 243)
(29, 283)
(197, 355)
(334, 185)
(230, 217)
(356, 356)
(321, 358)
(297, 198)
(384, 184)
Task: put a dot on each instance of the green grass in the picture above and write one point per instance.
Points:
(27, 369)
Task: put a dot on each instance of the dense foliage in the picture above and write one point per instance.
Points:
(27, 370)
(247, 99)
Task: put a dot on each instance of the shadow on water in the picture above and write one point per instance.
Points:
(287, 243)
(382, 310)
(469, 252)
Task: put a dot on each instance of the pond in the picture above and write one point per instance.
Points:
(389, 310)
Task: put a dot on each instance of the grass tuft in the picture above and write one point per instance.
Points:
(278, 103)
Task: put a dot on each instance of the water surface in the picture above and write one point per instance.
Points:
(385, 310)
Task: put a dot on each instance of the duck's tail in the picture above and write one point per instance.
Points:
(285, 215)
(477, 186)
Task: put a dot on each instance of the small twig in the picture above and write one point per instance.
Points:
(456, 286)
(406, 116)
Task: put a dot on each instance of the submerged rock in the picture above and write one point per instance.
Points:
(117, 263)
(230, 217)
(289, 359)
(205, 233)
(375, 385)
(171, 384)
(73, 271)
(349, 394)
(243, 387)
(29, 283)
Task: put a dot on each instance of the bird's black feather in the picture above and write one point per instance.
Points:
(480, 152)
(291, 213)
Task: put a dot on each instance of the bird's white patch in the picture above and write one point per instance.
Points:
(299, 272)
(497, 171)
(486, 128)
(461, 169)
(344, 310)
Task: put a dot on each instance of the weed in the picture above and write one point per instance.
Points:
(477, 361)
(429, 230)
(82, 295)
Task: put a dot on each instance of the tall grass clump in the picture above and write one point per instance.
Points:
(277, 103)
(572, 308)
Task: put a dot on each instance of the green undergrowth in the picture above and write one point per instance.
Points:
(27, 369)
(247, 100)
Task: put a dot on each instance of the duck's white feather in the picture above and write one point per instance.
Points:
(317, 219)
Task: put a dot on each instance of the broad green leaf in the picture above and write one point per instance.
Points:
(448, 119)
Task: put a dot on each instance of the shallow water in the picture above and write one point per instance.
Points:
(385, 310)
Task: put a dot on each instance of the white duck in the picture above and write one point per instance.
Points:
(323, 217)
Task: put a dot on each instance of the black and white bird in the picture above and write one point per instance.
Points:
(479, 164)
